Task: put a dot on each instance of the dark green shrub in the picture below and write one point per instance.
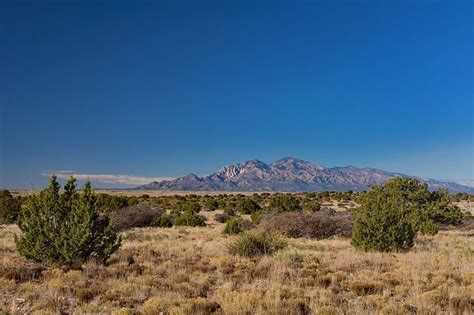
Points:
(312, 206)
(189, 218)
(65, 229)
(247, 206)
(256, 243)
(236, 226)
(443, 211)
(163, 221)
(284, 202)
(9, 207)
(211, 204)
(384, 222)
(385, 213)
(425, 206)
(109, 203)
(192, 206)
(221, 203)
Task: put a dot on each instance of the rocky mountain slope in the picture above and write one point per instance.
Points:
(290, 175)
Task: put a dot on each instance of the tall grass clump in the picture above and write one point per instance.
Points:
(257, 243)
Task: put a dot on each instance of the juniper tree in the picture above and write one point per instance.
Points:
(390, 215)
(65, 229)
(383, 223)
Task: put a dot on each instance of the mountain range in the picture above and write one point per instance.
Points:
(290, 175)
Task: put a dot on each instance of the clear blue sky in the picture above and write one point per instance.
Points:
(165, 88)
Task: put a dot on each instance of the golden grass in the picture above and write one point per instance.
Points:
(188, 271)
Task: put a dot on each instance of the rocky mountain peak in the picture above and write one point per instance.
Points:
(290, 174)
(240, 169)
(290, 163)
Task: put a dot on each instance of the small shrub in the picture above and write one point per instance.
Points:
(318, 225)
(236, 226)
(247, 206)
(284, 202)
(139, 215)
(211, 204)
(312, 206)
(163, 221)
(233, 226)
(192, 206)
(256, 243)
(189, 218)
(109, 203)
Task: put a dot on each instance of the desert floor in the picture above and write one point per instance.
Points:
(188, 271)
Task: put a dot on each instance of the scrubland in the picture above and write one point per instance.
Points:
(187, 270)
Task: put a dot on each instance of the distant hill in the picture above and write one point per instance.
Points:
(290, 175)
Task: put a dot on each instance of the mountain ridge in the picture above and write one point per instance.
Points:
(290, 174)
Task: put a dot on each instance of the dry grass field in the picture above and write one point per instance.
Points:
(188, 271)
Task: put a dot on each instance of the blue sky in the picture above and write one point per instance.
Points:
(166, 88)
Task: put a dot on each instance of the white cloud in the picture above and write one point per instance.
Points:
(108, 178)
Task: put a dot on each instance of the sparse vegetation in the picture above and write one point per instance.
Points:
(189, 270)
(247, 206)
(190, 218)
(284, 202)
